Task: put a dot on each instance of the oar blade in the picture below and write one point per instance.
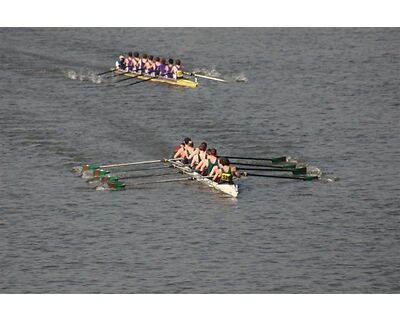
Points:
(279, 160)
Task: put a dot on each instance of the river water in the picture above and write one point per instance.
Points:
(329, 97)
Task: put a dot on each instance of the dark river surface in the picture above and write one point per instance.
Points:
(329, 97)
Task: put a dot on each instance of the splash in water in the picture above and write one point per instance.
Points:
(83, 75)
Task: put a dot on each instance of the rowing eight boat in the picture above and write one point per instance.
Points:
(226, 188)
(179, 82)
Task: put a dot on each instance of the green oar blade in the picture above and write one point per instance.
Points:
(98, 173)
(278, 160)
(299, 171)
(116, 186)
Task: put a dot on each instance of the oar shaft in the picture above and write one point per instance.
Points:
(296, 171)
(132, 84)
(278, 159)
(280, 177)
(160, 181)
(134, 163)
(128, 78)
(205, 77)
(100, 74)
(284, 165)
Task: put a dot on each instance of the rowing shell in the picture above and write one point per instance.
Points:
(186, 83)
(226, 188)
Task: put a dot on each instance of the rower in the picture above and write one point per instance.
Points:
(198, 155)
(135, 61)
(206, 165)
(120, 63)
(149, 66)
(177, 70)
(225, 173)
(157, 64)
(142, 62)
(185, 151)
(169, 68)
(129, 62)
(162, 67)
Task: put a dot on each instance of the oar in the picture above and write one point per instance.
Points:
(273, 160)
(297, 171)
(128, 78)
(202, 76)
(87, 167)
(118, 74)
(283, 165)
(100, 74)
(133, 163)
(131, 84)
(305, 178)
(117, 185)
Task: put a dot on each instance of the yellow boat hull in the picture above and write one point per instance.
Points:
(186, 83)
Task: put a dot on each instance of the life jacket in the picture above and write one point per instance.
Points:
(226, 177)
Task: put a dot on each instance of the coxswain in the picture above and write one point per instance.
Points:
(198, 155)
(206, 165)
(169, 67)
(120, 63)
(177, 70)
(185, 151)
(226, 172)
(129, 62)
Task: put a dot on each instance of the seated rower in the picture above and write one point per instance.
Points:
(135, 61)
(149, 66)
(157, 64)
(177, 70)
(162, 67)
(185, 151)
(169, 68)
(142, 62)
(129, 62)
(198, 155)
(225, 173)
(120, 63)
(207, 165)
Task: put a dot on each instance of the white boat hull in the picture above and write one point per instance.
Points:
(226, 188)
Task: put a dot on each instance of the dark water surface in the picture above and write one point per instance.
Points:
(327, 96)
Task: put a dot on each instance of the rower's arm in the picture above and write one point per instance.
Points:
(200, 165)
(178, 154)
(214, 172)
(195, 152)
(235, 172)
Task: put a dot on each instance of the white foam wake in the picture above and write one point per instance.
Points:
(83, 75)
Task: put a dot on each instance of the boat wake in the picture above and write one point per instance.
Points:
(83, 74)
